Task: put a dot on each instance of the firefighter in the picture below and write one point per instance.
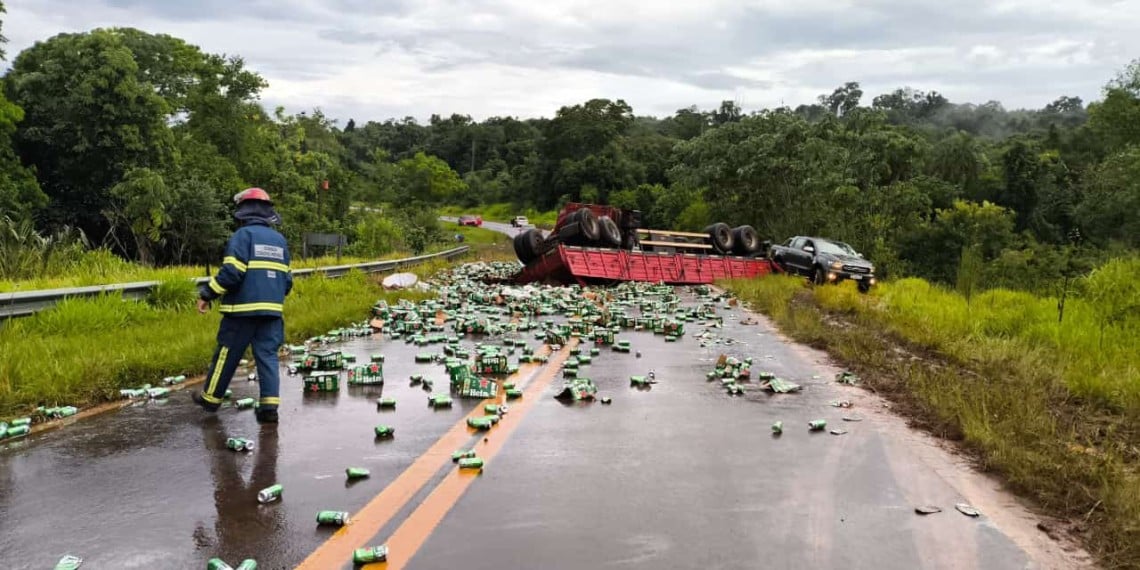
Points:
(252, 282)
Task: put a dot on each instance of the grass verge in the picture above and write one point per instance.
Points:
(1049, 406)
(112, 269)
(82, 351)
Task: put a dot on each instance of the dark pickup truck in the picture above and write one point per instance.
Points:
(824, 261)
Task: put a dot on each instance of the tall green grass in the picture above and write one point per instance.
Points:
(83, 351)
(101, 267)
(1053, 406)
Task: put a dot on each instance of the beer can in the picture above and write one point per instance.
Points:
(239, 444)
(332, 518)
(270, 494)
(158, 392)
(384, 431)
(21, 422)
(69, 562)
(386, 403)
(245, 403)
(462, 453)
(247, 564)
(229, 394)
(17, 431)
(471, 463)
(218, 564)
(508, 385)
(357, 472)
(778, 427)
(514, 394)
(817, 425)
(370, 554)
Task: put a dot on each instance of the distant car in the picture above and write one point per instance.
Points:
(471, 220)
(520, 222)
(824, 261)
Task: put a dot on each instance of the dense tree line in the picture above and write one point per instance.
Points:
(139, 140)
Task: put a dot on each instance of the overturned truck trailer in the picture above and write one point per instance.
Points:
(592, 243)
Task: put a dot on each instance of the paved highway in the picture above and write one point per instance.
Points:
(681, 475)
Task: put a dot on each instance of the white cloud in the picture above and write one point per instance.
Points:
(375, 59)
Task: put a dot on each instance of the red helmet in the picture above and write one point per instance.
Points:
(252, 194)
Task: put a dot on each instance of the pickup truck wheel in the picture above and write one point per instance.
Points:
(820, 276)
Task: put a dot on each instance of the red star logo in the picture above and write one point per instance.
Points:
(483, 382)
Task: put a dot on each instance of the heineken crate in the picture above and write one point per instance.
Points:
(371, 374)
(324, 381)
(476, 387)
(491, 363)
(323, 360)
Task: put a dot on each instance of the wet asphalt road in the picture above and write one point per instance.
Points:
(678, 476)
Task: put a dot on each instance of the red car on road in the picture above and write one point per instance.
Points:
(471, 220)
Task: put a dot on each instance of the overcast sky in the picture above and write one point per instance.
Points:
(375, 59)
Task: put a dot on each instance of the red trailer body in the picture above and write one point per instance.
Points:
(571, 264)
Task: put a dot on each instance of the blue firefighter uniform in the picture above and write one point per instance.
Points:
(252, 283)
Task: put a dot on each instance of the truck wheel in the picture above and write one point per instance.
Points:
(720, 236)
(570, 233)
(745, 240)
(819, 277)
(611, 235)
(527, 245)
(588, 225)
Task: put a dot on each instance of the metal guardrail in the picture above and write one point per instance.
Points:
(25, 303)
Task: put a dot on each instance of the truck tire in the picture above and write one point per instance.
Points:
(745, 241)
(570, 233)
(588, 225)
(527, 245)
(720, 236)
(611, 235)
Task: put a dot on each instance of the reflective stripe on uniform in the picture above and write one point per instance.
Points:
(269, 265)
(249, 307)
(215, 287)
(235, 262)
(272, 401)
(219, 363)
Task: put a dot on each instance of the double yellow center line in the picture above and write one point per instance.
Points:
(414, 531)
